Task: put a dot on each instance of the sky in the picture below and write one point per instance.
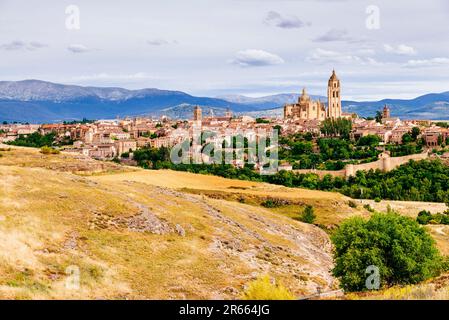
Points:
(379, 49)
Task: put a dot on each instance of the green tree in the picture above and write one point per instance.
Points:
(308, 136)
(369, 140)
(34, 140)
(336, 127)
(440, 140)
(308, 215)
(424, 217)
(261, 120)
(415, 133)
(407, 138)
(378, 116)
(398, 246)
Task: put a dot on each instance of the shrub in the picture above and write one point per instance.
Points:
(49, 150)
(424, 217)
(308, 215)
(377, 199)
(368, 207)
(352, 204)
(398, 246)
(263, 289)
(274, 203)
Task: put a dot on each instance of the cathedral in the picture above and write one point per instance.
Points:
(308, 109)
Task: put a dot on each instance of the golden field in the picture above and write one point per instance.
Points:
(139, 234)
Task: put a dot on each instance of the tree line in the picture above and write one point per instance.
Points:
(425, 180)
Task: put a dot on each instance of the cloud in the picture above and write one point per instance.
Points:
(160, 42)
(78, 48)
(401, 49)
(366, 52)
(323, 56)
(434, 62)
(286, 22)
(334, 35)
(22, 45)
(256, 58)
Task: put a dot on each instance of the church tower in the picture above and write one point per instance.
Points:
(386, 114)
(333, 97)
(197, 116)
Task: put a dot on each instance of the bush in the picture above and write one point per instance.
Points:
(424, 217)
(402, 250)
(263, 289)
(352, 204)
(274, 203)
(377, 199)
(34, 140)
(369, 208)
(49, 150)
(308, 215)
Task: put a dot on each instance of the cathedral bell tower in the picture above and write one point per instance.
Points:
(333, 97)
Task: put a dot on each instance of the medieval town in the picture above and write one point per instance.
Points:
(119, 138)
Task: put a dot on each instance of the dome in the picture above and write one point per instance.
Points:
(304, 95)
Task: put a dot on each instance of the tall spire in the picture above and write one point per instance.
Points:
(334, 75)
(333, 97)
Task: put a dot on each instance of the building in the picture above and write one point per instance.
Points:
(197, 116)
(308, 109)
(122, 146)
(386, 114)
(228, 113)
(305, 109)
(333, 97)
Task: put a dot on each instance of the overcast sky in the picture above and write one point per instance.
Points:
(219, 47)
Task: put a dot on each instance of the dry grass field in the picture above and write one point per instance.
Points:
(331, 208)
(138, 234)
(133, 240)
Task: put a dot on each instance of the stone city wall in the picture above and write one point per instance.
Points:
(385, 163)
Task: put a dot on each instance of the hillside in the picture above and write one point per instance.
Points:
(140, 234)
(134, 239)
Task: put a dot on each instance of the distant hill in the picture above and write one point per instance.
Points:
(39, 101)
(428, 106)
(185, 111)
(268, 102)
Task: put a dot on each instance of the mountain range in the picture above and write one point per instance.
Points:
(37, 101)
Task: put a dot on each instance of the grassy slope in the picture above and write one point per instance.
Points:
(51, 219)
(194, 247)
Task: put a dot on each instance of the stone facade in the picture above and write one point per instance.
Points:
(333, 97)
(308, 109)
(197, 114)
(305, 109)
(386, 113)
